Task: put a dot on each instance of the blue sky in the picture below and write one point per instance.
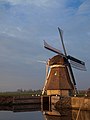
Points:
(24, 24)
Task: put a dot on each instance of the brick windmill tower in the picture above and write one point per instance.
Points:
(59, 76)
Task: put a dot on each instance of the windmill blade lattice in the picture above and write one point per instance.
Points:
(77, 65)
(47, 46)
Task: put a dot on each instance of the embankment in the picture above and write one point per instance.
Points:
(6, 100)
(82, 103)
(19, 100)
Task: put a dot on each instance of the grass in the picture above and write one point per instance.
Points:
(34, 93)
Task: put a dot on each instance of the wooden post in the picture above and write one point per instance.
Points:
(50, 103)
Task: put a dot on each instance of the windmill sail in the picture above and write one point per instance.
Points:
(71, 74)
(47, 46)
(69, 66)
(61, 36)
(75, 63)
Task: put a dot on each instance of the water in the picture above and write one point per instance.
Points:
(9, 115)
(33, 112)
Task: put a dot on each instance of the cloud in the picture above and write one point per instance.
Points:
(35, 2)
(88, 33)
(5, 5)
(38, 3)
(84, 8)
(19, 29)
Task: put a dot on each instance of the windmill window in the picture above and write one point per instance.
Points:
(55, 73)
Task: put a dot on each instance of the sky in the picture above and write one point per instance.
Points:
(24, 24)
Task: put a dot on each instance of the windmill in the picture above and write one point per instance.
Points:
(68, 61)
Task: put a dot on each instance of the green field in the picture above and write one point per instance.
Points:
(25, 93)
